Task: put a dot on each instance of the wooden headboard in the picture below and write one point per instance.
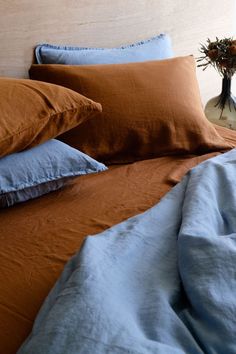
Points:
(26, 23)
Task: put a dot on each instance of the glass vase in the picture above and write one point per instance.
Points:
(221, 110)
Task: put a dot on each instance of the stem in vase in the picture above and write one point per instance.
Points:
(226, 97)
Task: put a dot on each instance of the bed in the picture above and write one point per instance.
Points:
(39, 236)
(54, 226)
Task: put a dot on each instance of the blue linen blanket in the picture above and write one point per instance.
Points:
(162, 282)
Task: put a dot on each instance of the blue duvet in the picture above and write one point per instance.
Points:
(162, 282)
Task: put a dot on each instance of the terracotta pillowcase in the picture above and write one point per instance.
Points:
(33, 112)
(149, 109)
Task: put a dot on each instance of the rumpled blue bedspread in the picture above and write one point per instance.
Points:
(161, 282)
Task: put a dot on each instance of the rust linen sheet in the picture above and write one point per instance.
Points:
(38, 237)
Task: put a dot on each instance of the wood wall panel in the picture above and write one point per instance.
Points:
(25, 23)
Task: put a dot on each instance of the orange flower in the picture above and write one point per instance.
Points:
(224, 63)
(232, 49)
(221, 54)
(213, 54)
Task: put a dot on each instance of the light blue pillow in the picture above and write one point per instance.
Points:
(40, 170)
(158, 47)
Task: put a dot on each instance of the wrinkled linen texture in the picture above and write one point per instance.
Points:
(161, 282)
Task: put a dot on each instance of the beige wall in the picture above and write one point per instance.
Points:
(25, 23)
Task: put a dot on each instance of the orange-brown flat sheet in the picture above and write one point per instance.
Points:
(39, 236)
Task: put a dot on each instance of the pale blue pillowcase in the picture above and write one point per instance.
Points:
(156, 48)
(40, 170)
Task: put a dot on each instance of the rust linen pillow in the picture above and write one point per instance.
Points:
(33, 112)
(149, 109)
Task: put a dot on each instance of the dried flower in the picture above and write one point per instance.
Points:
(221, 54)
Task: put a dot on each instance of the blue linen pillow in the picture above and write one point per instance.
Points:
(155, 48)
(31, 173)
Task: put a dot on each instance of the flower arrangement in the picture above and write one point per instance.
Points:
(221, 54)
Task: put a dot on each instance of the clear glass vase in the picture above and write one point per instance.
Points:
(221, 109)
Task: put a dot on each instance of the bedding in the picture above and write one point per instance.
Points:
(151, 286)
(33, 112)
(38, 237)
(149, 109)
(40, 170)
(158, 47)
